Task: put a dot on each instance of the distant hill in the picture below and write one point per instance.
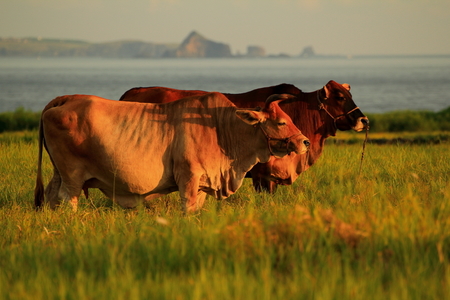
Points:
(40, 47)
(128, 49)
(37, 47)
(195, 45)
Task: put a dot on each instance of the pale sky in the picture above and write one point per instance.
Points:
(348, 27)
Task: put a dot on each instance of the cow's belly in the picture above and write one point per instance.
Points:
(124, 196)
(127, 186)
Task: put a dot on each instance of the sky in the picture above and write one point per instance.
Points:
(346, 27)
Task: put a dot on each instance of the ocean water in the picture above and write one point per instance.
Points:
(379, 84)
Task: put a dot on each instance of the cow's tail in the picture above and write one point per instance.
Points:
(39, 189)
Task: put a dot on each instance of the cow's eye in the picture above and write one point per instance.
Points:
(281, 123)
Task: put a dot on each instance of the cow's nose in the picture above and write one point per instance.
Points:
(365, 122)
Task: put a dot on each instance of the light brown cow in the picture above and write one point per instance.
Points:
(137, 151)
(317, 114)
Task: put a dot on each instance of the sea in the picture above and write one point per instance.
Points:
(378, 84)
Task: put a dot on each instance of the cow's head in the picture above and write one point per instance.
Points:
(282, 136)
(336, 100)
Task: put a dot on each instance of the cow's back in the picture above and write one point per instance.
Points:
(158, 94)
(258, 96)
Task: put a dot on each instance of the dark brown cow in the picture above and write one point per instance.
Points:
(317, 114)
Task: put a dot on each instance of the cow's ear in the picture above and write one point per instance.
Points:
(346, 86)
(327, 92)
(251, 117)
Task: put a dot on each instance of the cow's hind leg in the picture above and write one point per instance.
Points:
(70, 193)
(59, 190)
(52, 190)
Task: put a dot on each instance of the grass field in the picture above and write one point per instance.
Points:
(334, 234)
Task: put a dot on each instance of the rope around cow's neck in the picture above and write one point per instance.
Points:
(322, 107)
(363, 149)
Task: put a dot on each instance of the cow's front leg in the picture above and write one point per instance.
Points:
(264, 185)
(191, 197)
(194, 204)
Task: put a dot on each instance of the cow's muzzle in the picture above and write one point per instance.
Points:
(304, 145)
(361, 124)
(297, 143)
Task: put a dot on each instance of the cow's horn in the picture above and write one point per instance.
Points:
(276, 97)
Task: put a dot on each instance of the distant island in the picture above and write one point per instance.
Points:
(193, 46)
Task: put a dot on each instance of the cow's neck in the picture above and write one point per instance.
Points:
(242, 146)
(313, 123)
(245, 146)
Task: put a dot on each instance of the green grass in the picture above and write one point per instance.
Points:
(412, 121)
(396, 122)
(334, 234)
(19, 120)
